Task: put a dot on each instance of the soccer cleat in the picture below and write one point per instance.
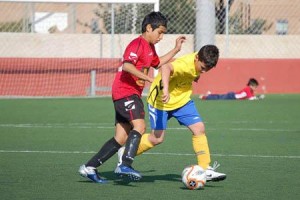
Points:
(120, 155)
(212, 175)
(123, 170)
(91, 173)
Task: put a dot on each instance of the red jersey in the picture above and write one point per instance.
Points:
(245, 93)
(143, 56)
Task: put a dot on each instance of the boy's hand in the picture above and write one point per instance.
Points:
(179, 41)
(261, 96)
(165, 96)
(150, 80)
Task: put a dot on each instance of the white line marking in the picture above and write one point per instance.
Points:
(104, 126)
(167, 154)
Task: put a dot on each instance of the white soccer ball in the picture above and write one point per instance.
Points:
(193, 177)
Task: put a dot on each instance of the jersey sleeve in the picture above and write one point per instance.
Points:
(245, 93)
(241, 95)
(132, 53)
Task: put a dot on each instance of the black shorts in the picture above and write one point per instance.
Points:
(128, 109)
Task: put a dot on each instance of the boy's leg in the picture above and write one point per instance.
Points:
(107, 151)
(189, 116)
(201, 149)
(200, 146)
(145, 144)
(149, 140)
(131, 109)
(158, 122)
(228, 96)
(130, 149)
(212, 97)
(89, 170)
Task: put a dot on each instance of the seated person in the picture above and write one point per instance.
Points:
(247, 93)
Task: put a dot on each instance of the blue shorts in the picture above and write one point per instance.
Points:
(185, 115)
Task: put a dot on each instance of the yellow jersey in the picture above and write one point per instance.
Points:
(180, 84)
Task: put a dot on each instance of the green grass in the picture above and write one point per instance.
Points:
(44, 141)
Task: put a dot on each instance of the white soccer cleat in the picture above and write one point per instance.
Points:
(120, 154)
(91, 173)
(212, 175)
(84, 171)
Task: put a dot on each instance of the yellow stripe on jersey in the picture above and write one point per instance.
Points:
(180, 85)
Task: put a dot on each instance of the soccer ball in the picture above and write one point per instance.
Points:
(193, 177)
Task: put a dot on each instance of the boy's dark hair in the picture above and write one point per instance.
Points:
(209, 54)
(155, 19)
(252, 82)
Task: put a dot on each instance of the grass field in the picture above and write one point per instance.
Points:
(44, 141)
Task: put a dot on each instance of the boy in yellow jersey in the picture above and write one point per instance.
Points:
(169, 96)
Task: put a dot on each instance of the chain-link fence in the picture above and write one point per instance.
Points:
(243, 28)
(258, 28)
(53, 49)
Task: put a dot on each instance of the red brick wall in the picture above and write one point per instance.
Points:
(71, 76)
(55, 76)
(274, 76)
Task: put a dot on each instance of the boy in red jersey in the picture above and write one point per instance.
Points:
(247, 93)
(127, 88)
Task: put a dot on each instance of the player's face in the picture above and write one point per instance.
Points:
(253, 87)
(200, 66)
(203, 68)
(157, 34)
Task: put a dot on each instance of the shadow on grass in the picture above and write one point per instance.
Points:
(114, 179)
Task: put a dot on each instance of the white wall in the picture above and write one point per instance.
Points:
(95, 46)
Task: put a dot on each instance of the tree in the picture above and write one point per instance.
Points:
(15, 26)
(221, 15)
(181, 15)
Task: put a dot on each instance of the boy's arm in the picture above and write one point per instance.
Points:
(245, 93)
(166, 72)
(130, 68)
(167, 57)
(240, 95)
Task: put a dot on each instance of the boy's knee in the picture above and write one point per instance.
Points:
(156, 141)
(199, 133)
(141, 129)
